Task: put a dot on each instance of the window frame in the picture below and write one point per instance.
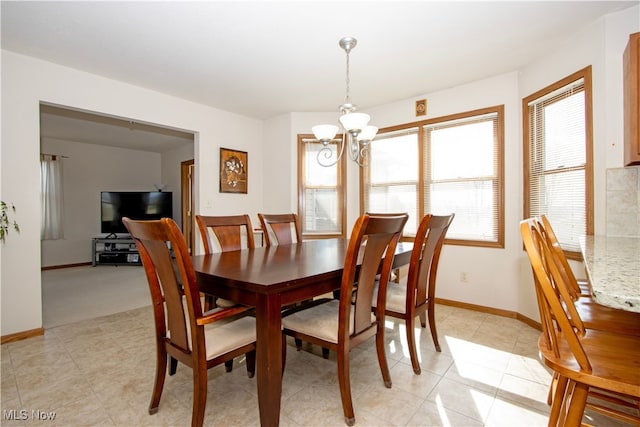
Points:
(586, 76)
(341, 185)
(422, 174)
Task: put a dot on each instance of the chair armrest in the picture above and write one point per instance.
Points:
(221, 314)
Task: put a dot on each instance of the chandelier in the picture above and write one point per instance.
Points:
(355, 126)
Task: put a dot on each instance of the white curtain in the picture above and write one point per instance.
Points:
(51, 197)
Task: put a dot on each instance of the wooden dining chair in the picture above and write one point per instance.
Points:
(340, 325)
(223, 234)
(589, 363)
(593, 315)
(577, 287)
(416, 297)
(280, 229)
(183, 331)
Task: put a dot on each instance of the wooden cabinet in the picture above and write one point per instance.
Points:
(631, 98)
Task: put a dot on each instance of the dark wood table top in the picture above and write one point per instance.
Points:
(282, 268)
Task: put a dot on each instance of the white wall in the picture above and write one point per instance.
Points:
(88, 170)
(26, 82)
(280, 164)
(491, 273)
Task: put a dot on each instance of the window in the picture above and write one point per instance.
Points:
(443, 165)
(464, 174)
(321, 194)
(392, 176)
(51, 196)
(557, 157)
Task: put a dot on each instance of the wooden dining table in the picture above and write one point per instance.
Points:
(613, 270)
(269, 278)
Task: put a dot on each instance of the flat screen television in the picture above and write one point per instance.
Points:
(143, 205)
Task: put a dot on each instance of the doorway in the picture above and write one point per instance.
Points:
(103, 153)
(188, 223)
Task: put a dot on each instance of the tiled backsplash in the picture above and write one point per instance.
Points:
(623, 201)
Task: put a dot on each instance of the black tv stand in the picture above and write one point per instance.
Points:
(114, 251)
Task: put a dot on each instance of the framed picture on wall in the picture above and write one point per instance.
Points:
(233, 171)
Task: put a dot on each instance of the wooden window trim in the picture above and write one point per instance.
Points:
(342, 191)
(586, 75)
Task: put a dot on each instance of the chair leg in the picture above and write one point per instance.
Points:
(284, 352)
(423, 320)
(228, 365)
(298, 342)
(199, 396)
(382, 355)
(577, 405)
(345, 385)
(251, 363)
(209, 302)
(325, 353)
(557, 392)
(552, 388)
(161, 372)
(173, 365)
(411, 342)
(432, 325)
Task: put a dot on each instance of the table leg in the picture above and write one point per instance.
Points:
(269, 358)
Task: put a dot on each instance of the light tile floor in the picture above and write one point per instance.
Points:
(100, 373)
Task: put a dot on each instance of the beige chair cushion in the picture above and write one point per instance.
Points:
(225, 335)
(223, 338)
(320, 321)
(396, 297)
(225, 303)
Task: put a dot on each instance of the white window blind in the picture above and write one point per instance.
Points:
(557, 160)
(391, 178)
(463, 174)
(321, 196)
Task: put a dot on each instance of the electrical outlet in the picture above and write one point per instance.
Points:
(464, 278)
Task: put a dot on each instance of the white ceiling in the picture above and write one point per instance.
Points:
(264, 58)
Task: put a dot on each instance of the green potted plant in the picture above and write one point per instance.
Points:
(5, 222)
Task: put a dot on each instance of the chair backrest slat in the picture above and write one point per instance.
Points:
(421, 277)
(280, 229)
(373, 241)
(555, 247)
(233, 232)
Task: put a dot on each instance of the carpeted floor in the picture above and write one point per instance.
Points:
(79, 293)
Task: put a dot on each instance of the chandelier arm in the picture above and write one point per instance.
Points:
(354, 150)
(364, 155)
(358, 153)
(327, 153)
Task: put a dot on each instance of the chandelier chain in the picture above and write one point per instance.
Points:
(347, 99)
